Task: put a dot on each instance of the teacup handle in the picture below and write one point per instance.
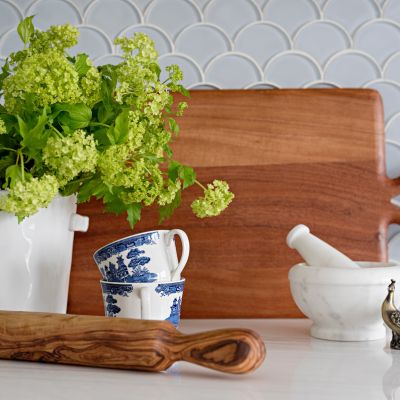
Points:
(145, 303)
(185, 251)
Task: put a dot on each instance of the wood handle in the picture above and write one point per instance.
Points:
(124, 343)
(236, 351)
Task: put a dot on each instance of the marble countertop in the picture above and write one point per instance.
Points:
(297, 367)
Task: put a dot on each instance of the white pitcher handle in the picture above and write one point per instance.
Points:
(145, 303)
(78, 223)
(175, 274)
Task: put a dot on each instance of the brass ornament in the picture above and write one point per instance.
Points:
(391, 316)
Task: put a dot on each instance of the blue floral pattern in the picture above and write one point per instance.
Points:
(135, 271)
(120, 290)
(175, 314)
(111, 308)
(125, 244)
(166, 289)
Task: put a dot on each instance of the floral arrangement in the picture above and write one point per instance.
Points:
(67, 126)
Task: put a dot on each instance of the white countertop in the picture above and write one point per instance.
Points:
(297, 367)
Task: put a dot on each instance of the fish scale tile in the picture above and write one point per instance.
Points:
(261, 44)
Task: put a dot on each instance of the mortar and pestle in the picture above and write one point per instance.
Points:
(343, 298)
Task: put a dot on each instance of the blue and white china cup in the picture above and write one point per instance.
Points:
(144, 257)
(155, 300)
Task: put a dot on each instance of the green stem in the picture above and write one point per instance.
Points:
(56, 131)
(202, 186)
(7, 148)
(22, 165)
(147, 170)
(99, 124)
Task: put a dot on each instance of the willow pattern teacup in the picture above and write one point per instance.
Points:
(144, 257)
(155, 300)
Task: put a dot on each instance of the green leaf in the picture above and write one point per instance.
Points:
(81, 64)
(13, 175)
(173, 126)
(116, 205)
(35, 138)
(101, 136)
(168, 150)
(104, 113)
(5, 71)
(111, 135)
(74, 116)
(154, 67)
(38, 129)
(188, 176)
(70, 188)
(6, 161)
(153, 158)
(90, 188)
(167, 210)
(23, 128)
(26, 29)
(121, 126)
(108, 84)
(134, 211)
(177, 170)
(182, 90)
(173, 170)
(106, 95)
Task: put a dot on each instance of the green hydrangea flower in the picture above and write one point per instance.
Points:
(44, 75)
(57, 37)
(47, 78)
(146, 189)
(119, 167)
(157, 98)
(27, 197)
(175, 74)
(216, 198)
(3, 129)
(182, 106)
(140, 43)
(136, 74)
(168, 193)
(155, 139)
(90, 85)
(136, 130)
(67, 157)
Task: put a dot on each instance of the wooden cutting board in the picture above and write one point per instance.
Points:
(291, 156)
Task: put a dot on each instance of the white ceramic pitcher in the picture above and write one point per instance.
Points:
(35, 257)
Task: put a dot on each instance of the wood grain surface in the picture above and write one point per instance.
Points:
(291, 156)
(124, 343)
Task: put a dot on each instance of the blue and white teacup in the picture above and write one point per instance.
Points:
(155, 300)
(144, 257)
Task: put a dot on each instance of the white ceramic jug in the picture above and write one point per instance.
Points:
(35, 257)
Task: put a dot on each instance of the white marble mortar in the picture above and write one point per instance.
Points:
(344, 304)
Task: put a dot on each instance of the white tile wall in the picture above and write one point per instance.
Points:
(245, 43)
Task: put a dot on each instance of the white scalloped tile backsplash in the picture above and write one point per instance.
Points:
(262, 44)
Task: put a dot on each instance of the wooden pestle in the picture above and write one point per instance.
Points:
(124, 343)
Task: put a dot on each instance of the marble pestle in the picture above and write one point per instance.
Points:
(315, 251)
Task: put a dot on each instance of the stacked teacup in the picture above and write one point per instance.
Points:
(142, 275)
